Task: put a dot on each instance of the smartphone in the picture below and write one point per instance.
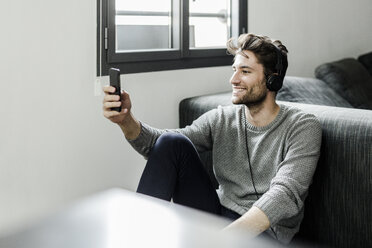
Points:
(115, 82)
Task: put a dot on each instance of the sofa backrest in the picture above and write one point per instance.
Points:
(295, 89)
(338, 209)
(366, 61)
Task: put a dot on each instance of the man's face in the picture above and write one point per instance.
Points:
(248, 80)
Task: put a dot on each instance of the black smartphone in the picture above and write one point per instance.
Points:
(115, 82)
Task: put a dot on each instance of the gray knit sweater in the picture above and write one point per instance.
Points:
(283, 156)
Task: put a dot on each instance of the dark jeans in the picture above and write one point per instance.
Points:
(174, 171)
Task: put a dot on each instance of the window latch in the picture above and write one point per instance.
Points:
(106, 38)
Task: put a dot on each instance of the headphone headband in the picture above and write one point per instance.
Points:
(275, 82)
(279, 62)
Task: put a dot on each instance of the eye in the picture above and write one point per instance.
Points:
(246, 72)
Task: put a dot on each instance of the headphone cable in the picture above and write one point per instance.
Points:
(249, 162)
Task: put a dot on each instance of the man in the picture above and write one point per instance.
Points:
(264, 154)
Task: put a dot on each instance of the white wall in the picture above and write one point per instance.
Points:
(315, 31)
(55, 145)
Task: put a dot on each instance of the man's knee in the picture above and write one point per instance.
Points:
(170, 141)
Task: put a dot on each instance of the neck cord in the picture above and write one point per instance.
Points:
(249, 161)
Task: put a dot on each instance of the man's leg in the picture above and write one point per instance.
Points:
(174, 170)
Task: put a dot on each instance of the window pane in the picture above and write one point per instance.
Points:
(210, 22)
(143, 25)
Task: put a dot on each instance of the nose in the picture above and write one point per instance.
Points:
(235, 78)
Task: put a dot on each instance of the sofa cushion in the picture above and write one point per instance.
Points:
(310, 90)
(366, 61)
(349, 79)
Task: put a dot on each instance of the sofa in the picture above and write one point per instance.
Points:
(338, 208)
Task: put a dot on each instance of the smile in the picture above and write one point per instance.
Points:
(238, 89)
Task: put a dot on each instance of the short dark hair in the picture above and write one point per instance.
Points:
(265, 49)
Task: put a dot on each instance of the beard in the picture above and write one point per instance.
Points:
(253, 96)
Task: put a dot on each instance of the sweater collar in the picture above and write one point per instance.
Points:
(251, 127)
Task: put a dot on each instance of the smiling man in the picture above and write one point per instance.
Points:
(264, 153)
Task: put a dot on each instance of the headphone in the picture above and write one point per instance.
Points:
(275, 82)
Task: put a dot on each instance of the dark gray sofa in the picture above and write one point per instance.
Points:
(338, 209)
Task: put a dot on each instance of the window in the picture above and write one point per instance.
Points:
(148, 35)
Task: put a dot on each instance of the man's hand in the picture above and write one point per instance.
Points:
(128, 124)
(254, 222)
(111, 101)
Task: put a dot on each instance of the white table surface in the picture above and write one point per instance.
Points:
(119, 218)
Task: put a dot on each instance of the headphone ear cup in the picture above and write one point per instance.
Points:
(274, 82)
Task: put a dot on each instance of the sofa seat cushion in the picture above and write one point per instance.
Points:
(350, 79)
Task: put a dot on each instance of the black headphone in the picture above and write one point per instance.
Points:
(275, 82)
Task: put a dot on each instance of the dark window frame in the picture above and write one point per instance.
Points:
(167, 59)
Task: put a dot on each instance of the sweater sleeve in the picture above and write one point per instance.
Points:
(199, 132)
(288, 189)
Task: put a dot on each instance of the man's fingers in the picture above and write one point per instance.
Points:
(112, 101)
(109, 105)
(111, 98)
(110, 114)
(108, 89)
